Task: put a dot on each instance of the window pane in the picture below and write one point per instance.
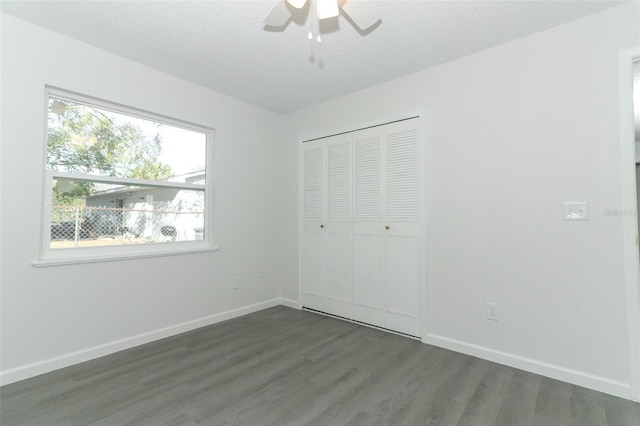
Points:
(86, 139)
(91, 213)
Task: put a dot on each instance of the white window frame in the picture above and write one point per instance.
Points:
(64, 256)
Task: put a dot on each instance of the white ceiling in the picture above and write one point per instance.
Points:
(223, 45)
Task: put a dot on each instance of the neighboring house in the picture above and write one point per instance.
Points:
(153, 213)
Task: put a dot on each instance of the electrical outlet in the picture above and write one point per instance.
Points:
(236, 283)
(493, 313)
(260, 273)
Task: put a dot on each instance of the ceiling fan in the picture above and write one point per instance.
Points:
(359, 12)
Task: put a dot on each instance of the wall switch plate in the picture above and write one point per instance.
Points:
(576, 210)
(492, 311)
(236, 283)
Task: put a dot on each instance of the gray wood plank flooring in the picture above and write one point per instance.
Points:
(282, 366)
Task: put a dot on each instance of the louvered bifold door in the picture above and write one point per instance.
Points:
(338, 235)
(313, 215)
(362, 233)
(369, 292)
(327, 222)
(402, 229)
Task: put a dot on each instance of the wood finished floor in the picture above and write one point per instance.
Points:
(282, 366)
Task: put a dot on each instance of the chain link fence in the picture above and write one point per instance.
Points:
(83, 226)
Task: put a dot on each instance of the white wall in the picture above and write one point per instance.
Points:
(512, 133)
(58, 315)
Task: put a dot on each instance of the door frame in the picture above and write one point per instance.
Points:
(629, 221)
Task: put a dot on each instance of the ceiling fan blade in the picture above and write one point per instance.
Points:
(297, 3)
(279, 15)
(362, 13)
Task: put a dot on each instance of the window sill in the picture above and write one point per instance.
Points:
(75, 260)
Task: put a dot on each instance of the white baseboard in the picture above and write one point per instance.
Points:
(290, 303)
(40, 367)
(579, 378)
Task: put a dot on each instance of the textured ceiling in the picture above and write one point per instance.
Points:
(223, 45)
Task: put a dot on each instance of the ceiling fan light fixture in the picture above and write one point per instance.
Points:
(327, 9)
(360, 14)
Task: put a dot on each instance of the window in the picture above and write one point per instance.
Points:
(122, 183)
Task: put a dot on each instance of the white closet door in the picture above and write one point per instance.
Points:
(402, 230)
(387, 229)
(313, 237)
(369, 301)
(362, 248)
(338, 238)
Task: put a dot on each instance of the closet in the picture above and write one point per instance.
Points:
(362, 226)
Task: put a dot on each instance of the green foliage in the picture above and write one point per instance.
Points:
(73, 196)
(151, 170)
(88, 140)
